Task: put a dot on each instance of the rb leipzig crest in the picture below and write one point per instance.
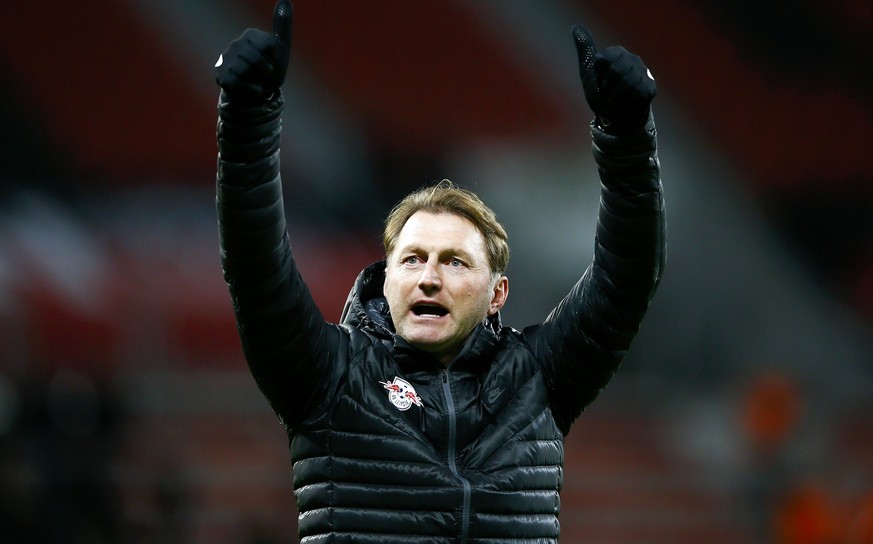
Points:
(401, 394)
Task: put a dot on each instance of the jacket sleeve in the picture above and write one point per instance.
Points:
(584, 339)
(286, 342)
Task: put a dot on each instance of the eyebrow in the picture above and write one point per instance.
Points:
(443, 253)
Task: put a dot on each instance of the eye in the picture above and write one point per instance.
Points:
(456, 262)
(411, 259)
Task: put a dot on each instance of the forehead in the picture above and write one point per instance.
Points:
(429, 230)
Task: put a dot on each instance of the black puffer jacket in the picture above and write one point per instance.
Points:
(387, 445)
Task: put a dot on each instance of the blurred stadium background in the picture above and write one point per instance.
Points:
(744, 413)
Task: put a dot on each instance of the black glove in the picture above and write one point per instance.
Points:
(253, 66)
(618, 86)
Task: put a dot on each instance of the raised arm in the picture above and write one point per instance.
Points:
(286, 342)
(587, 335)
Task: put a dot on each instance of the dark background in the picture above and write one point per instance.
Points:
(743, 413)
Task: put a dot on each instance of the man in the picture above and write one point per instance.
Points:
(420, 418)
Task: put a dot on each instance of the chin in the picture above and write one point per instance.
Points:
(427, 343)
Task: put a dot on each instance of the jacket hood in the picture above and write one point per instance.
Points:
(366, 307)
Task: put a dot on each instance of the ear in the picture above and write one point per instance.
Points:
(499, 295)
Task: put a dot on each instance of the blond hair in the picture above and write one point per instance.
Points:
(446, 197)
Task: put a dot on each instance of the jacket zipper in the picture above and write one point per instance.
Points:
(453, 464)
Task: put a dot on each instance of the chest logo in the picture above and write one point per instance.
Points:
(402, 394)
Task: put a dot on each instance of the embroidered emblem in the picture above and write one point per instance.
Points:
(401, 394)
(494, 394)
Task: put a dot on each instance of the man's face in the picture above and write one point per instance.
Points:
(439, 284)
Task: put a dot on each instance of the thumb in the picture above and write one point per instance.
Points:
(585, 47)
(282, 15)
(282, 18)
(587, 50)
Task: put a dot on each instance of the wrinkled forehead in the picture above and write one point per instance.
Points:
(441, 230)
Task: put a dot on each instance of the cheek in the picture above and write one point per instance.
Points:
(394, 287)
(391, 282)
(478, 294)
(389, 289)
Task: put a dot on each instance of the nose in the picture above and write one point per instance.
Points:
(430, 277)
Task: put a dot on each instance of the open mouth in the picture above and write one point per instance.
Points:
(429, 310)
